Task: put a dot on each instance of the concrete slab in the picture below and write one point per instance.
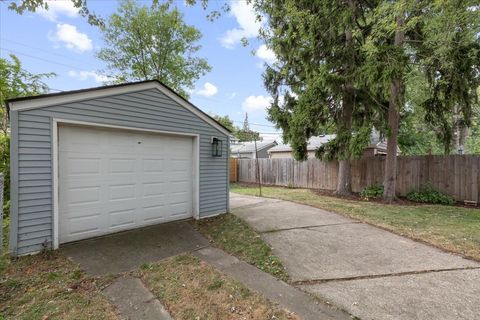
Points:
(269, 216)
(134, 301)
(237, 200)
(128, 250)
(399, 278)
(353, 250)
(439, 295)
(273, 289)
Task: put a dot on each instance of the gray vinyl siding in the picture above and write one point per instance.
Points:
(32, 180)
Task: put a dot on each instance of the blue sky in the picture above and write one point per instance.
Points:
(61, 41)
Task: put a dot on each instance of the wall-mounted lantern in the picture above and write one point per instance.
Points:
(216, 147)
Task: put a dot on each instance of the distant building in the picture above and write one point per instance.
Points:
(377, 146)
(246, 150)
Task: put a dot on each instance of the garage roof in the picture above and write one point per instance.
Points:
(49, 99)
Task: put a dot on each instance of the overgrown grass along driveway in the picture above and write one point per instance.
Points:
(455, 229)
(192, 289)
(49, 286)
(236, 237)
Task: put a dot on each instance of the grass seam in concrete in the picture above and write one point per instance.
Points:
(375, 276)
(285, 295)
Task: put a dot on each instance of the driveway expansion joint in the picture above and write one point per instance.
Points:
(293, 299)
(375, 276)
(256, 205)
(310, 228)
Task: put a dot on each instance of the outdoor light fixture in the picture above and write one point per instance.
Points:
(216, 147)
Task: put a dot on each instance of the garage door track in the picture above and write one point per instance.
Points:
(371, 273)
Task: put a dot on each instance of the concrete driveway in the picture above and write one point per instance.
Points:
(372, 273)
(128, 250)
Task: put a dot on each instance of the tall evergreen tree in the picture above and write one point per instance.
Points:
(315, 80)
(439, 38)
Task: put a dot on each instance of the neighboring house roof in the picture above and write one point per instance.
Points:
(249, 147)
(43, 100)
(315, 142)
(312, 145)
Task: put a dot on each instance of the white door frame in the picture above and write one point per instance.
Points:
(57, 121)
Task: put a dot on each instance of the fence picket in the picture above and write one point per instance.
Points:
(455, 175)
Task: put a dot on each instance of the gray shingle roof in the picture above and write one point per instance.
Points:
(312, 145)
(315, 142)
(249, 147)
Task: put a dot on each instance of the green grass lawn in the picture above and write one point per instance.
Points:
(235, 236)
(452, 228)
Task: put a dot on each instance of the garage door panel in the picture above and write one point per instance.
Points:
(80, 224)
(122, 180)
(155, 213)
(81, 196)
(79, 166)
(154, 189)
(122, 165)
(123, 218)
(123, 192)
(153, 165)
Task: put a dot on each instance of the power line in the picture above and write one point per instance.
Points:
(41, 59)
(47, 60)
(43, 50)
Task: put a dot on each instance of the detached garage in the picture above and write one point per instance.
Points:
(92, 162)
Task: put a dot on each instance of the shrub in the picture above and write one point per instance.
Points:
(427, 194)
(372, 192)
(5, 169)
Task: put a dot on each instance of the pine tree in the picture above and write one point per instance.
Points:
(315, 81)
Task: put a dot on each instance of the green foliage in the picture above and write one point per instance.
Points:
(14, 82)
(17, 82)
(238, 133)
(427, 194)
(226, 122)
(5, 169)
(144, 43)
(33, 5)
(372, 192)
(315, 81)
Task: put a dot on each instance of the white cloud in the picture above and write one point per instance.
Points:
(72, 38)
(247, 21)
(85, 74)
(256, 103)
(57, 8)
(208, 90)
(266, 54)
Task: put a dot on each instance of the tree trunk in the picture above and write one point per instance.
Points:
(344, 178)
(394, 104)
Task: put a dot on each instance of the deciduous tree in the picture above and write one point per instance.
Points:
(144, 43)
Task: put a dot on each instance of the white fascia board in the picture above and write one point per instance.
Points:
(100, 93)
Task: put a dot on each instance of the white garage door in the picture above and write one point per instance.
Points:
(112, 180)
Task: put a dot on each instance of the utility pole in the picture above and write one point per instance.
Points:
(257, 165)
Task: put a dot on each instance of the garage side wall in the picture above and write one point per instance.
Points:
(32, 179)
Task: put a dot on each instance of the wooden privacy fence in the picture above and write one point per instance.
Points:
(233, 169)
(455, 175)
